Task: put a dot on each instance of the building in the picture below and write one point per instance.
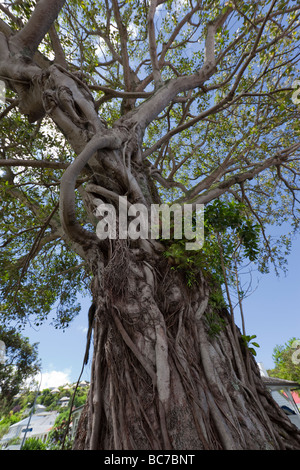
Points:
(75, 420)
(64, 401)
(281, 391)
(296, 399)
(39, 427)
(83, 383)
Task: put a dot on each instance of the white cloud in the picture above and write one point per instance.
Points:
(55, 378)
(82, 329)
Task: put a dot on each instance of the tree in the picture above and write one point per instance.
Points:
(57, 434)
(286, 360)
(152, 102)
(21, 365)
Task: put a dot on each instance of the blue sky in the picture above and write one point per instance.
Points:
(62, 352)
(271, 312)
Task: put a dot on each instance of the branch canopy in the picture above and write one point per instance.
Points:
(28, 39)
(158, 102)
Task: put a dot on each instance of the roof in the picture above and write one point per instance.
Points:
(40, 423)
(83, 383)
(78, 409)
(278, 384)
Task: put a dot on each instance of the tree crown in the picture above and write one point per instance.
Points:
(207, 89)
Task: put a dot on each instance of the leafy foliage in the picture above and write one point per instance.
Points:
(286, 359)
(210, 140)
(33, 443)
(231, 222)
(21, 364)
(57, 434)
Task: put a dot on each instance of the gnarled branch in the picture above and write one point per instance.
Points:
(107, 140)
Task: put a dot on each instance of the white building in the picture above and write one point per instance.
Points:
(280, 390)
(39, 427)
(64, 401)
(75, 420)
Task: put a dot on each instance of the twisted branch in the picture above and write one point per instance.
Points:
(109, 140)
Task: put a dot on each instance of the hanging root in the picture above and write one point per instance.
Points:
(116, 272)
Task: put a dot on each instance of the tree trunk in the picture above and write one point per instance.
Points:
(168, 372)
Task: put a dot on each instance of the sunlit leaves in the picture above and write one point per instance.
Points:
(39, 276)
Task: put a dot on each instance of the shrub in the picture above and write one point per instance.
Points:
(33, 443)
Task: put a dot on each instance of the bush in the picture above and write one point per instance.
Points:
(33, 443)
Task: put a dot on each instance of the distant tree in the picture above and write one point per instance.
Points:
(57, 433)
(46, 398)
(21, 364)
(287, 361)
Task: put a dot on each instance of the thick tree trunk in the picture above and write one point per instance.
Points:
(168, 372)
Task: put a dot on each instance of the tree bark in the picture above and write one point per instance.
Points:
(167, 371)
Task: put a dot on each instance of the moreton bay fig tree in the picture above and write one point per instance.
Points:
(154, 102)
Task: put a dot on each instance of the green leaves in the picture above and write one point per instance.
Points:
(225, 222)
(248, 341)
(204, 139)
(286, 360)
(20, 365)
(39, 274)
(232, 222)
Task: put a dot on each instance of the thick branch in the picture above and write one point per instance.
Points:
(150, 109)
(224, 186)
(121, 94)
(123, 42)
(76, 233)
(152, 44)
(29, 38)
(210, 36)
